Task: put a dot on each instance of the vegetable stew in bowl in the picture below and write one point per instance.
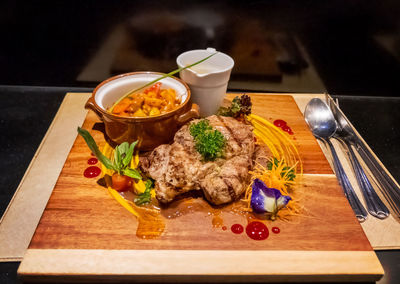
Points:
(153, 101)
(151, 119)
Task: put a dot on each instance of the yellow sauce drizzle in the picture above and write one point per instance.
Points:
(150, 222)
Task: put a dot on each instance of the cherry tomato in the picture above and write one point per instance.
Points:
(120, 182)
(155, 88)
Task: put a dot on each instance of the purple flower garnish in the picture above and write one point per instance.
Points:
(265, 199)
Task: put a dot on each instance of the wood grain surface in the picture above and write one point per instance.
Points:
(81, 215)
(274, 107)
(188, 266)
(82, 223)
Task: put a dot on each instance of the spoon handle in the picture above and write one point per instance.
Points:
(348, 190)
(388, 187)
(374, 204)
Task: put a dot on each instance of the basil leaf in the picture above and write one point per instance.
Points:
(123, 148)
(129, 154)
(95, 150)
(133, 173)
(117, 158)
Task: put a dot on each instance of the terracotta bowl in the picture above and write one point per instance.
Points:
(149, 131)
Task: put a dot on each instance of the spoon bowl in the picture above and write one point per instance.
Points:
(320, 119)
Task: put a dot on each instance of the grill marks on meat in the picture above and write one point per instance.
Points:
(178, 168)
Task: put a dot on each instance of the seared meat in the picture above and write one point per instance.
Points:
(178, 168)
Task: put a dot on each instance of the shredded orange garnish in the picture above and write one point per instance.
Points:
(284, 150)
(279, 143)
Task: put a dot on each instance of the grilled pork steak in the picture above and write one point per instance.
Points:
(178, 168)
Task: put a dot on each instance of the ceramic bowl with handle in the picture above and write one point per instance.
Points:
(149, 131)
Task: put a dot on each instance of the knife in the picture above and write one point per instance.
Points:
(385, 181)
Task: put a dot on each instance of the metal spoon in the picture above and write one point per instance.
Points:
(391, 191)
(374, 204)
(323, 125)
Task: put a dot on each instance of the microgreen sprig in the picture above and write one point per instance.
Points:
(240, 106)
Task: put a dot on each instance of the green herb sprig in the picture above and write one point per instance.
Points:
(290, 174)
(122, 156)
(145, 196)
(209, 142)
(158, 79)
(240, 106)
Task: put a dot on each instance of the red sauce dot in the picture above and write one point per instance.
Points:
(92, 172)
(224, 228)
(237, 229)
(279, 123)
(92, 161)
(92, 154)
(276, 230)
(287, 129)
(257, 231)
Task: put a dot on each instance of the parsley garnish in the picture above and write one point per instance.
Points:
(209, 142)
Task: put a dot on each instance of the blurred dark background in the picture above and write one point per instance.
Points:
(343, 47)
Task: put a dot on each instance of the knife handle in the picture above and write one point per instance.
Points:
(348, 190)
(388, 187)
(375, 205)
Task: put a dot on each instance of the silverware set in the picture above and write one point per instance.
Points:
(327, 122)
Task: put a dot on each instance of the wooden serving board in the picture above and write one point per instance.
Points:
(84, 234)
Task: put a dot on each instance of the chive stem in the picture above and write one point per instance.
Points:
(158, 79)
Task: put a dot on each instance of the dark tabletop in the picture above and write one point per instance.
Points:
(350, 49)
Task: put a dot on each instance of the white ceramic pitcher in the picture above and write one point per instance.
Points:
(208, 80)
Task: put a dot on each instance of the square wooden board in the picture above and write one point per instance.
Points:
(85, 234)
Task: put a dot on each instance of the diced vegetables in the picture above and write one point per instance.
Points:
(139, 186)
(151, 102)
